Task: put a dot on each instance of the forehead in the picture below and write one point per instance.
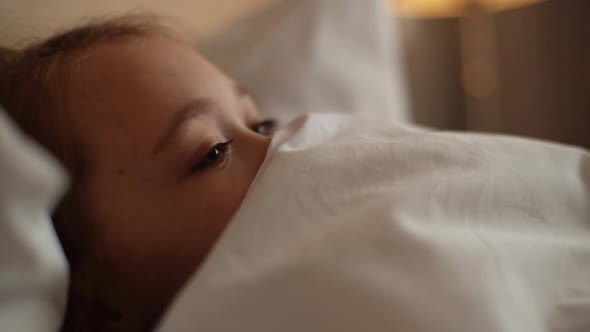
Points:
(138, 71)
(123, 91)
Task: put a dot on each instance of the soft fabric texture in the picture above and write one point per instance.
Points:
(368, 226)
(307, 55)
(33, 272)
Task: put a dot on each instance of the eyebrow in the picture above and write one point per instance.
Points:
(188, 112)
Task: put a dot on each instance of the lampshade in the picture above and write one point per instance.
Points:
(437, 8)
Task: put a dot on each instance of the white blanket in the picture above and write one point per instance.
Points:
(352, 226)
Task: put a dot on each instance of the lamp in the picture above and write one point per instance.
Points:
(446, 8)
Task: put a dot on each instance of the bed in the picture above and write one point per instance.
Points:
(352, 285)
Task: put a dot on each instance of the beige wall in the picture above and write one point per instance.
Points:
(21, 20)
(543, 77)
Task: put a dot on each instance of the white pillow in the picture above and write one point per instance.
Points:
(33, 272)
(316, 55)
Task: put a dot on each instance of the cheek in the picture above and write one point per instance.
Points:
(217, 200)
(148, 233)
(167, 228)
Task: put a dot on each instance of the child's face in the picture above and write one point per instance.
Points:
(171, 153)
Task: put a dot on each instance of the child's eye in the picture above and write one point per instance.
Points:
(265, 127)
(217, 155)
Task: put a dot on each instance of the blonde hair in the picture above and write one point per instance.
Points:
(32, 93)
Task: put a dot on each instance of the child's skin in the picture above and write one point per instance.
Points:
(153, 118)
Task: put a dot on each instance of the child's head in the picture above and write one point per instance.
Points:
(161, 146)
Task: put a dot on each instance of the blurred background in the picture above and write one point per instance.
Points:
(511, 66)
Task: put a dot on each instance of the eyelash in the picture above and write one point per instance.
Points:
(221, 149)
(265, 127)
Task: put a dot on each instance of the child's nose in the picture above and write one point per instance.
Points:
(255, 144)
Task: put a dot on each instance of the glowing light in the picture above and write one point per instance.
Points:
(450, 7)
